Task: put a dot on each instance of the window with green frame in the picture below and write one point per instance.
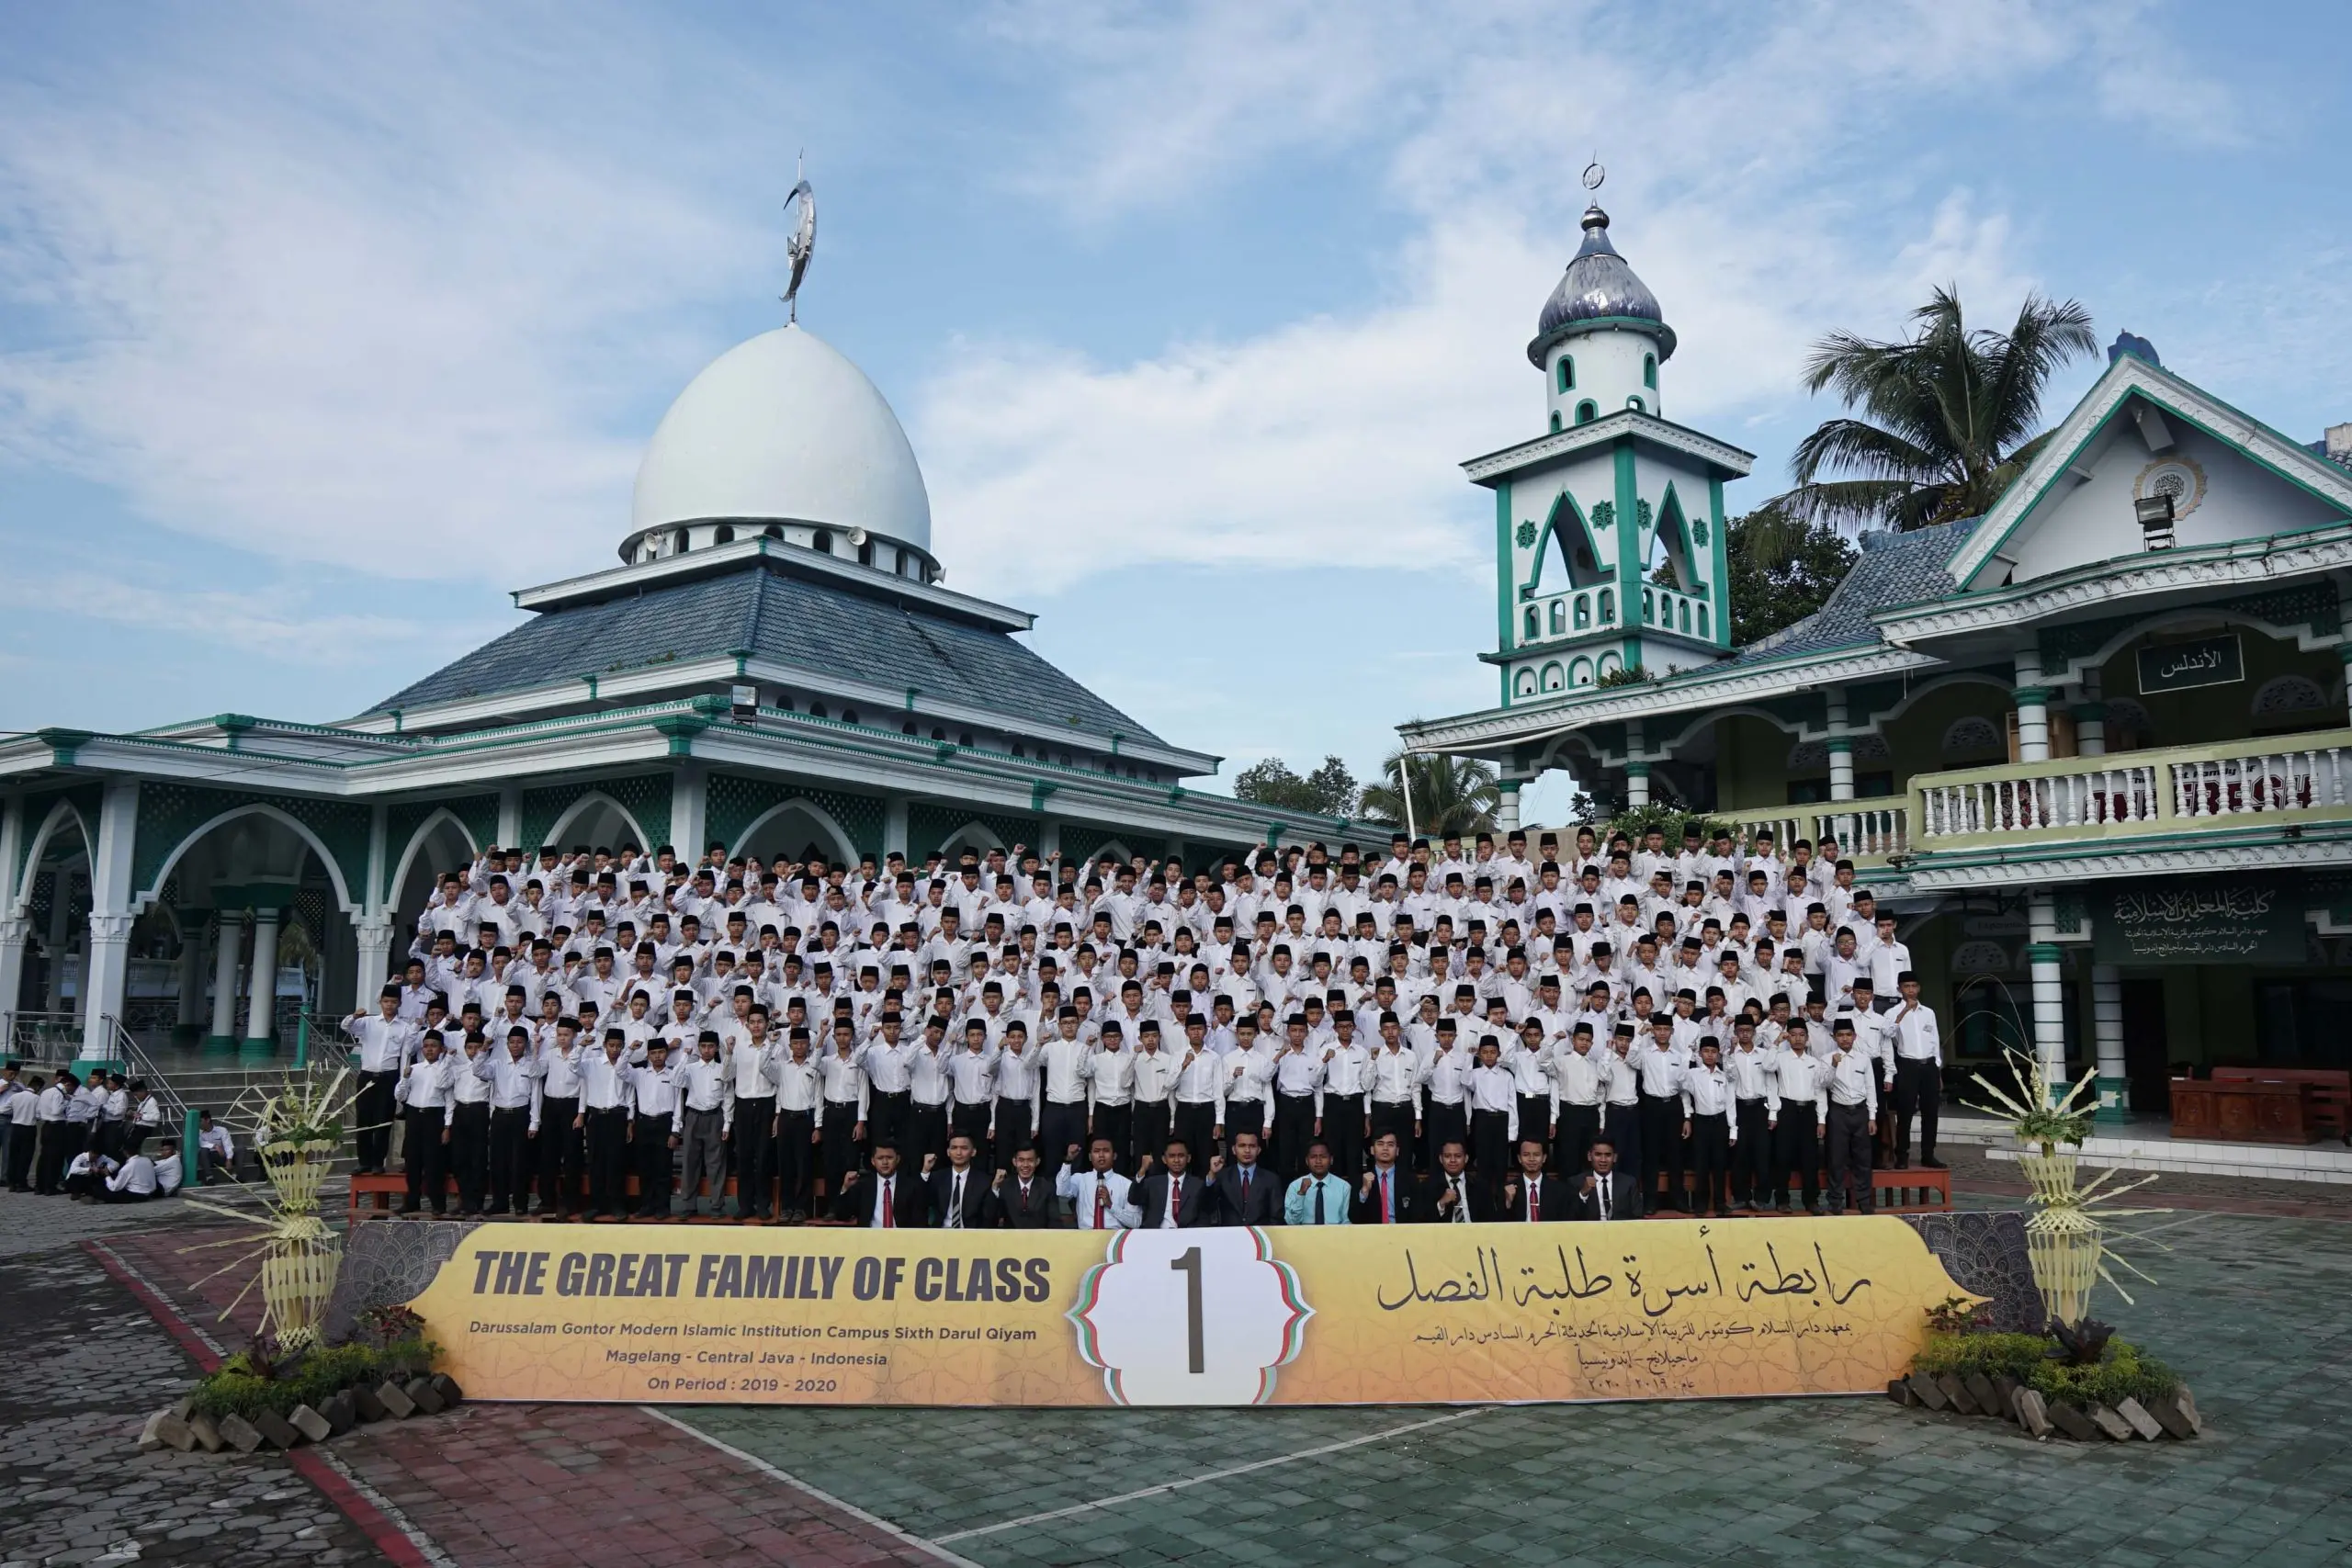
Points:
(1649, 370)
(1565, 372)
(1556, 419)
(1587, 412)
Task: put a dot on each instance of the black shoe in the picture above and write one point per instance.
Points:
(1929, 1161)
(1902, 1162)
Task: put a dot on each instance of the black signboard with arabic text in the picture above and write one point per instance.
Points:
(2180, 666)
(2203, 922)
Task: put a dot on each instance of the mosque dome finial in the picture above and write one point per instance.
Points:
(1598, 290)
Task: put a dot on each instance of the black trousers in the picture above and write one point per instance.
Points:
(649, 1142)
(1246, 1116)
(1059, 1127)
(1796, 1150)
(1398, 1118)
(754, 1159)
(1751, 1157)
(1534, 1121)
(885, 1119)
(23, 1142)
(924, 1132)
(510, 1160)
(374, 1111)
(1623, 1124)
(1443, 1124)
(1919, 1090)
(560, 1145)
(59, 1143)
(1154, 1119)
(469, 1154)
(1294, 1129)
(1343, 1130)
(1579, 1124)
(1118, 1122)
(1490, 1145)
(1013, 1131)
(1196, 1124)
(426, 1157)
(842, 1154)
(972, 1120)
(1710, 1163)
(795, 1159)
(1662, 1152)
(607, 1140)
(1849, 1158)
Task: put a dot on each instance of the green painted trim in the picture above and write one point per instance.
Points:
(1721, 549)
(1628, 528)
(2044, 952)
(1504, 573)
(1637, 770)
(2034, 696)
(1841, 745)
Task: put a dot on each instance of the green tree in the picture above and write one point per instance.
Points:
(1451, 794)
(1764, 597)
(1328, 791)
(1942, 419)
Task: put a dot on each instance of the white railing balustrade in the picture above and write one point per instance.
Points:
(2258, 784)
(2061, 800)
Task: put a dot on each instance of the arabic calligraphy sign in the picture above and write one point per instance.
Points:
(1310, 1315)
(2179, 666)
(2200, 922)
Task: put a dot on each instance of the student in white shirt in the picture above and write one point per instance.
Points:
(1917, 1044)
(1098, 1195)
(216, 1150)
(135, 1181)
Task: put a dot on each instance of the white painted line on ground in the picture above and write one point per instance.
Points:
(852, 1509)
(1118, 1498)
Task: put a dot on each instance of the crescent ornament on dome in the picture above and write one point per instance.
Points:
(800, 211)
(1593, 174)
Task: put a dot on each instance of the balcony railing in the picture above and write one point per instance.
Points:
(1866, 834)
(2286, 781)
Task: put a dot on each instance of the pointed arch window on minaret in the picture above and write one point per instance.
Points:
(1587, 412)
(1564, 374)
(1650, 371)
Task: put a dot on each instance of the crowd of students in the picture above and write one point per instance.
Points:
(99, 1137)
(1005, 1040)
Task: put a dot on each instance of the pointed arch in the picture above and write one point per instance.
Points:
(343, 900)
(579, 808)
(1673, 535)
(844, 848)
(1567, 537)
(415, 846)
(60, 814)
(978, 837)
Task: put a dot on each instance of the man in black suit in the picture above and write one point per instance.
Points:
(1021, 1198)
(1242, 1192)
(1450, 1195)
(1528, 1195)
(1385, 1195)
(960, 1190)
(1173, 1183)
(1607, 1192)
(866, 1197)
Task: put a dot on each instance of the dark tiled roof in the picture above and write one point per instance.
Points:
(769, 616)
(1893, 568)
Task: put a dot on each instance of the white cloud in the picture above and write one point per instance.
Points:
(232, 619)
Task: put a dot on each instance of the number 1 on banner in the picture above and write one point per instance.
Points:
(1188, 1265)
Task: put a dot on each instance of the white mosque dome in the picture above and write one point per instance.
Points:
(782, 429)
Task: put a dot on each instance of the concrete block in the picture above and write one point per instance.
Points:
(239, 1434)
(2187, 1402)
(421, 1391)
(2116, 1427)
(1930, 1394)
(278, 1429)
(1899, 1391)
(2074, 1423)
(1981, 1390)
(2030, 1413)
(207, 1433)
(1956, 1393)
(341, 1416)
(395, 1400)
(447, 1387)
(367, 1406)
(313, 1427)
(2141, 1421)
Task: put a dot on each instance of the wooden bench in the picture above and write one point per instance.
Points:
(2330, 1106)
(2244, 1111)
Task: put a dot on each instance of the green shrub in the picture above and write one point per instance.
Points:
(236, 1389)
(2124, 1372)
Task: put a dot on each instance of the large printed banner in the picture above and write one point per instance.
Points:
(1324, 1316)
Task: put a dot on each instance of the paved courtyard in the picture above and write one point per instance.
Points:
(2251, 1306)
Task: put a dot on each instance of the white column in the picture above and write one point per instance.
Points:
(894, 826)
(106, 964)
(374, 933)
(1507, 807)
(2049, 985)
(1637, 766)
(53, 941)
(2107, 1029)
(230, 942)
(191, 978)
(15, 928)
(261, 987)
(689, 811)
(1049, 838)
(2090, 720)
(2033, 710)
(510, 818)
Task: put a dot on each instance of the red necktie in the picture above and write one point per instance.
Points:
(890, 1210)
(1534, 1204)
(1383, 1200)
(1101, 1203)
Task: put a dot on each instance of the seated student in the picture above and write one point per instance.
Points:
(1607, 1192)
(1098, 1196)
(885, 1198)
(1528, 1195)
(1021, 1198)
(1387, 1195)
(136, 1181)
(1319, 1198)
(1450, 1195)
(86, 1175)
(1172, 1198)
(216, 1151)
(167, 1171)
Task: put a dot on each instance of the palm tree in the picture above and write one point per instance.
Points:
(1947, 419)
(1451, 794)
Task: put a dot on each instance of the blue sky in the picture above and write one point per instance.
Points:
(321, 328)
